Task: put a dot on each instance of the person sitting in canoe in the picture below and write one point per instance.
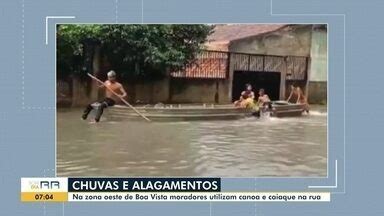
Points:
(297, 96)
(246, 98)
(263, 100)
(110, 98)
(263, 103)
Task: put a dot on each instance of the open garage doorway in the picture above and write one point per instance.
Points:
(270, 81)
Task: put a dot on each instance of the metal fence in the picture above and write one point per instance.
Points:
(216, 64)
(208, 64)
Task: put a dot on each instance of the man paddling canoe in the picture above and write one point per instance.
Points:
(110, 97)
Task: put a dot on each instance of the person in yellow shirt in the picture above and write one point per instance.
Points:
(247, 98)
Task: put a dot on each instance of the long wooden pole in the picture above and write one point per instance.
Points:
(121, 98)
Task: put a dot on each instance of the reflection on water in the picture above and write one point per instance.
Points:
(240, 148)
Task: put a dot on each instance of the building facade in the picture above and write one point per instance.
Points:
(272, 57)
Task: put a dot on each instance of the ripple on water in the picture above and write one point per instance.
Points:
(249, 148)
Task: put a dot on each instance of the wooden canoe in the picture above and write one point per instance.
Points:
(199, 112)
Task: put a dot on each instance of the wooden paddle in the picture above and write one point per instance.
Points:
(121, 98)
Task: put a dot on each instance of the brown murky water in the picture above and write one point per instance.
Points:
(240, 148)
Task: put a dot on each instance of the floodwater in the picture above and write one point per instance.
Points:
(273, 147)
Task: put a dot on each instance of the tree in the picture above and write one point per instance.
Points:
(71, 42)
(136, 51)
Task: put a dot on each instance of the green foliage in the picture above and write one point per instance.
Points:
(70, 46)
(135, 51)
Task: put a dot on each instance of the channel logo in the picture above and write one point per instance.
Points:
(43, 184)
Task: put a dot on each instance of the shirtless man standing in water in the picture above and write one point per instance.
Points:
(110, 98)
(263, 99)
(297, 96)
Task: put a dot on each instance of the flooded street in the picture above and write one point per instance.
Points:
(239, 148)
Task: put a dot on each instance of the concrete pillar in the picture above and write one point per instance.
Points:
(283, 75)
